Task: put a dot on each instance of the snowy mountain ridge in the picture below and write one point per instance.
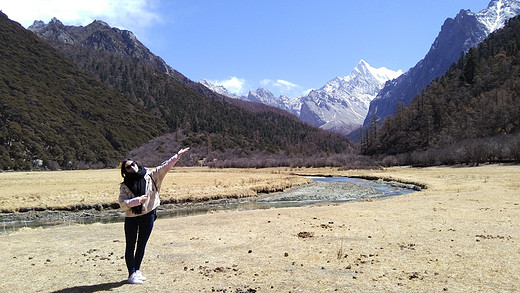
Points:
(217, 88)
(365, 93)
(457, 35)
(497, 13)
(340, 105)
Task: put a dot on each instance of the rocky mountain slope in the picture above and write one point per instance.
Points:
(342, 104)
(457, 36)
(469, 115)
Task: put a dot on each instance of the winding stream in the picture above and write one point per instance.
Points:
(323, 190)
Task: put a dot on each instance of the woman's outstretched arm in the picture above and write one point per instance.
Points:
(161, 170)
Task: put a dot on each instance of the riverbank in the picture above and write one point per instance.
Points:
(460, 234)
(87, 189)
(186, 191)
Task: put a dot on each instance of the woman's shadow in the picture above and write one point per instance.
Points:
(92, 288)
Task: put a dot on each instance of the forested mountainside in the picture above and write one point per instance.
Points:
(471, 114)
(53, 115)
(210, 123)
(122, 105)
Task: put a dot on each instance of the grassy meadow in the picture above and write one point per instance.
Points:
(89, 187)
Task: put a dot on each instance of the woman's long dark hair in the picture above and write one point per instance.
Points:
(137, 209)
(123, 167)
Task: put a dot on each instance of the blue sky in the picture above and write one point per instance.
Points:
(286, 46)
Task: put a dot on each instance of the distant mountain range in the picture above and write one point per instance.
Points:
(344, 104)
(340, 105)
(73, 112)
(261, 95)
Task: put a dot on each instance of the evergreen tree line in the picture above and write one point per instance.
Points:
(469, 115)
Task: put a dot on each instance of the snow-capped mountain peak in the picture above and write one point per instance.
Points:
(363, 73)
(498, 11)
(381, 74)
(362, 68)
(261, 95)
(342, 104)
(264, 96)
(217, 88)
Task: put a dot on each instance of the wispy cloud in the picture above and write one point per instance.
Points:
(124, 14)
(284, 87)
(286, 84)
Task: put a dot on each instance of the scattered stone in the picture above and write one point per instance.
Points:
(305, 234)
(492, 237)
(415, 275)
(410, 246)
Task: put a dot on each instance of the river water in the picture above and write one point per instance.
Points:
(323, 190)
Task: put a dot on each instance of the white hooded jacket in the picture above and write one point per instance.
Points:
(154, 178)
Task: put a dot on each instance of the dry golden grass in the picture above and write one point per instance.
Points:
(66, 188)
(459, 235)
(204, 183)
(58, 189)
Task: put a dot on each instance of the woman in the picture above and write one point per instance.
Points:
(139, 197)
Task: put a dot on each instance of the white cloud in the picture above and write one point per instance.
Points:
(266, 82)
(234, 85)
(307, 91)
(280, 86)
(125, 14)
(285, 84)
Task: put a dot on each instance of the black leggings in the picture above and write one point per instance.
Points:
(134, 226)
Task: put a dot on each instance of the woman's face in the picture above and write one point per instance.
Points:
(131, 167)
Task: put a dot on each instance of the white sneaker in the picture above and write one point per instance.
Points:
(140, 275)
(134, 279)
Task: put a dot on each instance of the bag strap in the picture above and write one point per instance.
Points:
(155, 185)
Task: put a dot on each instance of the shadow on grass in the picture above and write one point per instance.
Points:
(93, 288)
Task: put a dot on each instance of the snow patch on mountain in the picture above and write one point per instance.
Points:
(497, 13)
(219, 89)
